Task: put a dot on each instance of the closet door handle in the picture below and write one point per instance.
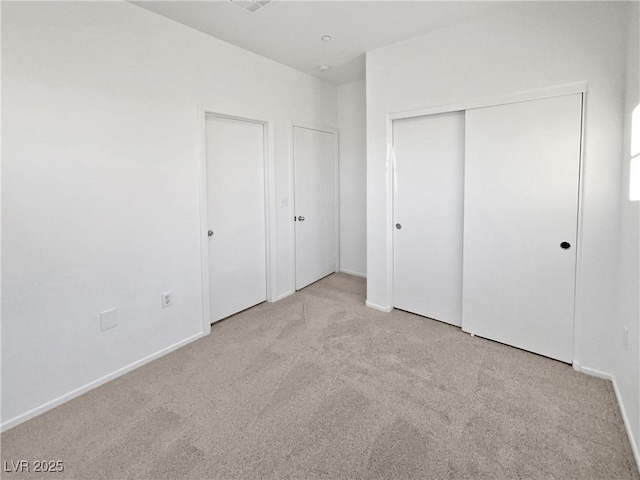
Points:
(565, 245)
(398, 226)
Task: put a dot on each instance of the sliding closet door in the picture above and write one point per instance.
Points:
(427, 244)
(520, 221)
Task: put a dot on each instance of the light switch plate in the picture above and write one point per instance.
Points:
(108, 319)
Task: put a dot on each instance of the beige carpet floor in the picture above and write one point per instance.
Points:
(319, 386)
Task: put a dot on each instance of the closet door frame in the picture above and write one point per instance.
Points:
(203, 112)
(554, 91)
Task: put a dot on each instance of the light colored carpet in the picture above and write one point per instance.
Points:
(319, 386)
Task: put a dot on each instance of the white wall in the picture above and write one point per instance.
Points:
(353, 163)
(626, 369)
(518, 47)
(101, 178)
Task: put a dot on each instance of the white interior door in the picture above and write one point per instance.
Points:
(236, 215)
(521, 203)
(315, 205)
(427, 244)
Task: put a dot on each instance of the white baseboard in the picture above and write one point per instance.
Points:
(285, 295)
(592, 371)
(625, 418)
(355, 274)
(378, 307)
(96, 383)
(627, 424)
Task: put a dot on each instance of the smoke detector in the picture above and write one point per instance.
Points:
(251, 6)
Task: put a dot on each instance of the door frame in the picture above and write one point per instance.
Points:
(292, 195)
(523, 96)
(203, 112)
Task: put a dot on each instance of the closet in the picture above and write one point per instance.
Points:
(507, 203)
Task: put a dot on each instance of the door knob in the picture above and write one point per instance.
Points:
(398, 226)
(210, 233)
(565, 245)
(301, 218)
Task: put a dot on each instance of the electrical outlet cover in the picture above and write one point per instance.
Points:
(166, 299)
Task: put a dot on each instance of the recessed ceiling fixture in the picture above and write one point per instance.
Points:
(251, 6)
(325, 38)
(324, 68)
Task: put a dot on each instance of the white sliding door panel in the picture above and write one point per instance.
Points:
(315, 204)
(236, 215)
(427, 248)
(521, 203)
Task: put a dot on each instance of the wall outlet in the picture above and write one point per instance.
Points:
(625, 338)
(166, 299)
(108, 319)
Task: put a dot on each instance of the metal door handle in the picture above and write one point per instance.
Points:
(210, 233)
(301, 218)
(398, 226)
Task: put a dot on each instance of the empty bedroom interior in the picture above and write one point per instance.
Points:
(304, 239)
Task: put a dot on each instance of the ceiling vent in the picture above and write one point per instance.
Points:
(251, 6)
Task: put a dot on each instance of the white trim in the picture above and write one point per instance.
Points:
(623, 412)
(336, 150)
(269, 213)
(523, 96)
(591, 371)
(314, 126)
(627, 424)
(292, 192)
(204, 252)
(355, 274)
(96, 383)
(285, 295)
(391, 192)
(378, 307)
(292, 210)
(577, 324)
